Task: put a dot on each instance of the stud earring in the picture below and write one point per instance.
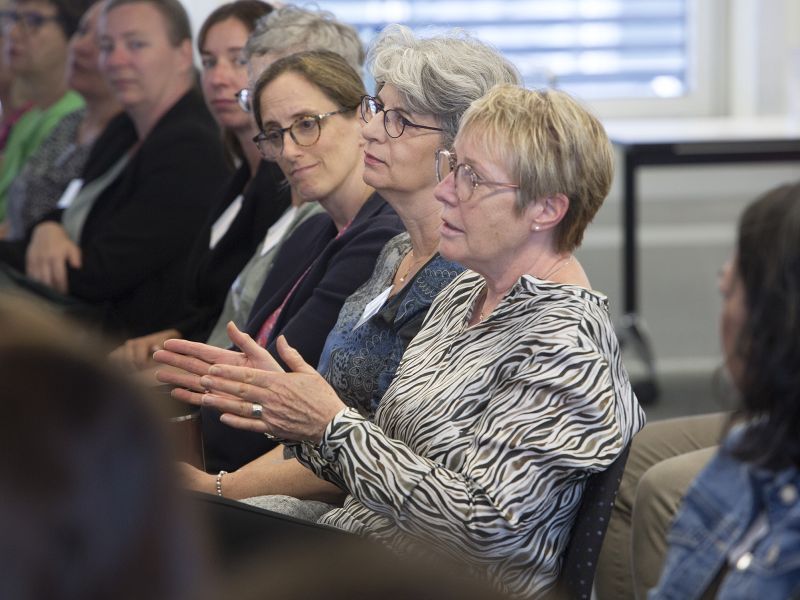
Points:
(536, 228)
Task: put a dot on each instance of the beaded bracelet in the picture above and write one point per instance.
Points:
(219, 482)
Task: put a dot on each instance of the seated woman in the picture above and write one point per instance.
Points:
(88, 505)
(737, 534)
(306, 106)
(282, 32)
(287, 30)
(246, 206)
(61, 157)
(36, 34)
(512, 393)
(121, 245)
(378, 321)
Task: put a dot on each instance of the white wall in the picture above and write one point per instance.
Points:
(763, 37)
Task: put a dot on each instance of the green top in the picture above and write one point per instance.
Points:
(26, 136)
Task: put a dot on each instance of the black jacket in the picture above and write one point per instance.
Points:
(138, 234)
(335, 266)
(212, 271)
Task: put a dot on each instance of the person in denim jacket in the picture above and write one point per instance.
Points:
(737, 534)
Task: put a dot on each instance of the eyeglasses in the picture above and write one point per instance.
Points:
(465, 176)
(393, 121)
(244, 100)
(305, 131)
(28, 20)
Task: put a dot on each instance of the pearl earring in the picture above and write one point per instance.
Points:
(536, 228)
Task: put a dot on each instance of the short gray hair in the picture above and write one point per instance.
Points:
(293, 29)
(439, 75)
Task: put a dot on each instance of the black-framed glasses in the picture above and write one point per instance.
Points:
(465, 176)
(30, 21)
(305, 131)
(244, 99)
(393, 120)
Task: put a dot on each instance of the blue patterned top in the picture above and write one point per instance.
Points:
(360, 363)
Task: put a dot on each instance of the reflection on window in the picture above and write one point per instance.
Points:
(595, 49)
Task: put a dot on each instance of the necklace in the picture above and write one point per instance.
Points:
(414, 263)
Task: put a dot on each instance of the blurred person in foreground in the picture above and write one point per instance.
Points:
(737, 533)
(88, 508)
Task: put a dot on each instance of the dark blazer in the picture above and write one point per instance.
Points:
(114, 141)
(336, 267)
(212, 271)
(137, 236)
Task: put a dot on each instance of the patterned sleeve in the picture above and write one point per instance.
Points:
(540, 431)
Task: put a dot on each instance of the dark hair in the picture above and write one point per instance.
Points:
(326, 70)
(87, 497)
(768, 264)
(179, 28)
(247, 12)
(69, 13)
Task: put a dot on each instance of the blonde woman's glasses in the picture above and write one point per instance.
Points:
(467, 180)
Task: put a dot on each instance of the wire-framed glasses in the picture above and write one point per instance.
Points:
(244, 100)
(466, 178)
(393, 120)
(305, 131)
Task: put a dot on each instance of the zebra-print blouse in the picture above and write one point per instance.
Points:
(483, 442)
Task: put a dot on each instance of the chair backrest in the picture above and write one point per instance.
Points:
(591, 522)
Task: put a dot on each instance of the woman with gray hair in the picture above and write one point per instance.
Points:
(292, 29)
(422, 93)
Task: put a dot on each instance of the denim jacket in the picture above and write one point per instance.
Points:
(741, 520)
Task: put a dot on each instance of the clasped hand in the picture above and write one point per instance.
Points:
(297, 405)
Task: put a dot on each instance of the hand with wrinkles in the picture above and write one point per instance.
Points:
(297, 405)
(189, 361)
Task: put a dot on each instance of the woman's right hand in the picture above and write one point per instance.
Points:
(193, 359)
(49, 253)
(138, 352)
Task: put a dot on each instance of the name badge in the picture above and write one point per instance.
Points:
(72, 189)
(371, 309)
(223, 223)
(278, 230)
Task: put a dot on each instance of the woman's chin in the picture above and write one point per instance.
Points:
(450, 251)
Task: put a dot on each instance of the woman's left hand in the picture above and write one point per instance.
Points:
(297, 405)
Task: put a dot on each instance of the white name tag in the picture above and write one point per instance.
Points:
(371, 309)
(278, 230)
(224, 221)
(73, 187)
